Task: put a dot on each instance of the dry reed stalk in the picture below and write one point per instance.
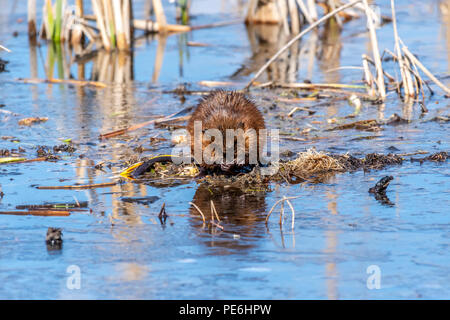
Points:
(280, 222)
(293, 213)
(251, 11)
(79, 186)
(297, 37)
(369, 77)
(120, 28)
(200, 211)
(4, 48)
(137, 126)
(159, 15)
(295, 21)
(77, 32)
(406, 77)
(32, 28)
(376, 53)
(101, 23)
(267, 13)
(213, 207)
(127, 19)
(283, 12)
(68, 81)
(305, 11)
(110, 23)
(425, 70)
(45, 213)
(276, 203)
(48, 20)
(312, 10)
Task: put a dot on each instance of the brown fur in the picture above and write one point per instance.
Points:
(226, 110)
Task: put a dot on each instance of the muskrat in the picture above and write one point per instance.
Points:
(224, 110)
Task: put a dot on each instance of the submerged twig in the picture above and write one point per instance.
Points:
(79, 186)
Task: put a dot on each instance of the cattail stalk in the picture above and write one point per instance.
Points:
(32, 29)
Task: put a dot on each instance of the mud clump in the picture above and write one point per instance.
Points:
(64, 148)
(436, 157)
(50, 152)
(45, 152)
(379, 161)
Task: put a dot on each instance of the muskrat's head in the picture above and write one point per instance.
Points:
(225, 126)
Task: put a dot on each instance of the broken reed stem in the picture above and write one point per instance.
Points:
(139, 125)
(213, 207)
(424, 70)
(200, 211)
(368, 76)
(297, 37)
(293, 213)
(375, 52)
(406, 78)
(79, 186)
(68, 81)
(159, 14)
(4, 48)
(281, 212)
(45, 213)
(276, 203)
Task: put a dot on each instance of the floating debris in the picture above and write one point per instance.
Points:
(436, 157)
(30, 121)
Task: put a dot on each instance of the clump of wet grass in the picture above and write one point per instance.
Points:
(308, 164)
(311, 166)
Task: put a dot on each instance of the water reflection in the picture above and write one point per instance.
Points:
(241, 214)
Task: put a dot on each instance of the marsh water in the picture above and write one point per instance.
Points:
(122, 249)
